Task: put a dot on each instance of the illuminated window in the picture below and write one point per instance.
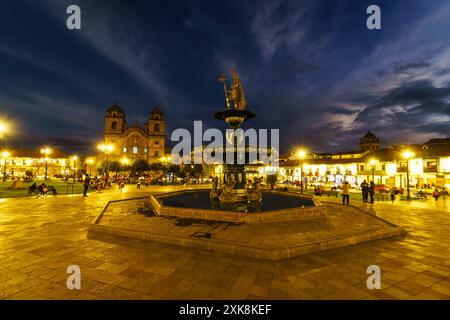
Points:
(135, 150)
(145, 150)
(124, 149)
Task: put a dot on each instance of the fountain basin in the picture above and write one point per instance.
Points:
(275, 207)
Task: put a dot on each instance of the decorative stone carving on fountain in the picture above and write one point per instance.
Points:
(254, 192)
(215, 192)
(228, 194)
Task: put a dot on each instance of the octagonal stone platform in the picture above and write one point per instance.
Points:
(342, 226)
(315, 210)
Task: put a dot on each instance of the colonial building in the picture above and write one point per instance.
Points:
(135, 142)
(429, 165)
(21, 160)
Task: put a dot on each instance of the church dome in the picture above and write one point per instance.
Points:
(369, 142)
(369, 136)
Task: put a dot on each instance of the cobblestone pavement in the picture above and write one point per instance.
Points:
(39, 238)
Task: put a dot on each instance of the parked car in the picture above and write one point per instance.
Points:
(382, 188)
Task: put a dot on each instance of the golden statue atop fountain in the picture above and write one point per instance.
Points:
(236, 92)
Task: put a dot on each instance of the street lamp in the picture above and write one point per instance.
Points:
(3, 129)
(408, 155)
(46, 151)
(106, 149)
(90, 162)
(74, 159)
(372, 163)
(301, 154)
(5, 154)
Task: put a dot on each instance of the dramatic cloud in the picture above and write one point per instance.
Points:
(310, 68)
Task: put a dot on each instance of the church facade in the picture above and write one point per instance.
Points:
(135, 142)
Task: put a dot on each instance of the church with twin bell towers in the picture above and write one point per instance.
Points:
(135, 142)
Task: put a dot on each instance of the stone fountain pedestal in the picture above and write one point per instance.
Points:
(234, 189)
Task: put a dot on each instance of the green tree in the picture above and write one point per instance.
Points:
(156, 166)
(174, 171)
(115, 166)
(28, 176)
(139, 167)
(125, 167)
(195, 171)
(101, 167)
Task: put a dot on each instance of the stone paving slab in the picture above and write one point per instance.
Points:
(274, 241)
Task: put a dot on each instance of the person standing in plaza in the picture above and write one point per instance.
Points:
(345, 192)
(365, 190)
(444, 194)
(121, 184)
(371, 191)
(436, 194)
(86, 183)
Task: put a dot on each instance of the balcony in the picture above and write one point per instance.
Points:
(430, 169)
(402, 169)
(369, 172)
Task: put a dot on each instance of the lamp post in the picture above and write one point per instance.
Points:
(46, 151)
(5, 154)
(408, 155)
(3, 129)
(74, 159)
(372, 163)
(106, 149)
(301, 154)
(90, 162)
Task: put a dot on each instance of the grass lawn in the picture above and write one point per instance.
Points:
(62, 187)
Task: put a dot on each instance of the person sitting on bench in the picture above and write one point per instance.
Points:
(32, 189)
(43, 189)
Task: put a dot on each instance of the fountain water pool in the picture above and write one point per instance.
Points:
(275, 206)
(201, 200)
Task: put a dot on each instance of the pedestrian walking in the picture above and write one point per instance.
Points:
(393, 194)
(444, 194)
(138, 184)
(121, 184)
(371, 191)
(345, 192)
(365, 190)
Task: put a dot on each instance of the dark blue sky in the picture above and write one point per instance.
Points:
(310, 68)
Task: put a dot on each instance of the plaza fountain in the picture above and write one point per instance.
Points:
(236, 216)
(236, 193)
